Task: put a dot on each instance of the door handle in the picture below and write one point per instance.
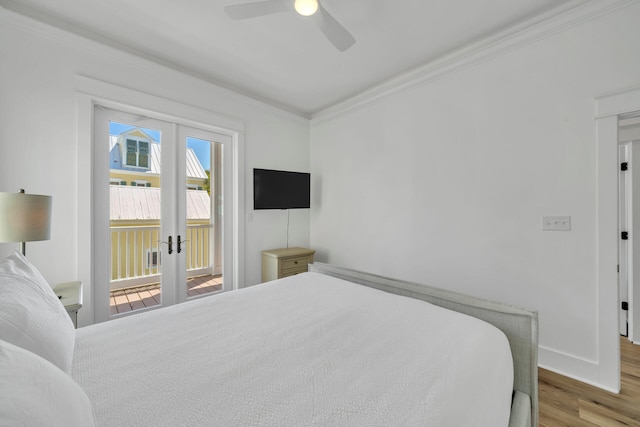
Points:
(180, 242)
(169, 243)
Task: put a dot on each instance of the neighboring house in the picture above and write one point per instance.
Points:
(135, 160)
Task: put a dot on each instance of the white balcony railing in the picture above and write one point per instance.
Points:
(136, 254)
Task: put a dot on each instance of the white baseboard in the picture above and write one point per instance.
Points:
(583, 370)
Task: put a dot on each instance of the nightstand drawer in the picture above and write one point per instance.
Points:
(292, 272)
(296, 263)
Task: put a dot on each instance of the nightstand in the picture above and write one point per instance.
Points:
(279, 263)
(71, 298)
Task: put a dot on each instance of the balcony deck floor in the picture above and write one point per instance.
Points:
(130, 299)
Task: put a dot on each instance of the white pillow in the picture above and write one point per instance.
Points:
(34, 392)
(31, 314)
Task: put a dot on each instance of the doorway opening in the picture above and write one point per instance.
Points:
(629, 225)
(609, 108)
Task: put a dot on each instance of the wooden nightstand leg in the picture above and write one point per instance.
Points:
(74, 318)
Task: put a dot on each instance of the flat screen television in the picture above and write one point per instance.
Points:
(274, 189)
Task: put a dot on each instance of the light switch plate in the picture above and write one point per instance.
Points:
(556, 223)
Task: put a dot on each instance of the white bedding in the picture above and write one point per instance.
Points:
(305, 350)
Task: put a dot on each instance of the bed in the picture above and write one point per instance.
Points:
(328, 347)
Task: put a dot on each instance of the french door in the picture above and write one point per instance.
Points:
(159, 232)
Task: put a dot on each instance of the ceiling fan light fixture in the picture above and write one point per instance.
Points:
(305, 7)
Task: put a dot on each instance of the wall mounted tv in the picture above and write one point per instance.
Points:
(274, 189)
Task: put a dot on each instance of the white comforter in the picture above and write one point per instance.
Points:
(309, 350)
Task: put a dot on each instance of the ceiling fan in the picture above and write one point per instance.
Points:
(330, 27)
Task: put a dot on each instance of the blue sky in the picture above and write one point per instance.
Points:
(200, 147)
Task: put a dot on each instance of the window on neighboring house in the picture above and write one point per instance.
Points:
(117, 181)
(153, 258)
(137, 153)
(140, 183)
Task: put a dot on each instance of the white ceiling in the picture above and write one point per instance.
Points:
(283, 58)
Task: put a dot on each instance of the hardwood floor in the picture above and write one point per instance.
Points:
(567, 402)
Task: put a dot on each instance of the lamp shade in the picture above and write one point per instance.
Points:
(24, 217)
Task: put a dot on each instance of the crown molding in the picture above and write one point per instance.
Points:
(572, 14)
(15, 15)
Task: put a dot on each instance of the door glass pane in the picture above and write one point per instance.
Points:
(203, 205)
(134, 219)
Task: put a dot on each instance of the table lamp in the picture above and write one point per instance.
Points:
(24, 218)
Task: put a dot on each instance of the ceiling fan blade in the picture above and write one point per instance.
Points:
(258, 8)
(332, 29)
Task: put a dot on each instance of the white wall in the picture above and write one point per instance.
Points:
(629, 130)
(39, 69)
(445, 182)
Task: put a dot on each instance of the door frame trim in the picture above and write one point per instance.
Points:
(607, 109)
(91, 92)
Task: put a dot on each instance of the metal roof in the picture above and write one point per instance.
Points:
(143, 203)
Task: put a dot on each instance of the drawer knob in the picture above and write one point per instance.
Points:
(295, 262)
